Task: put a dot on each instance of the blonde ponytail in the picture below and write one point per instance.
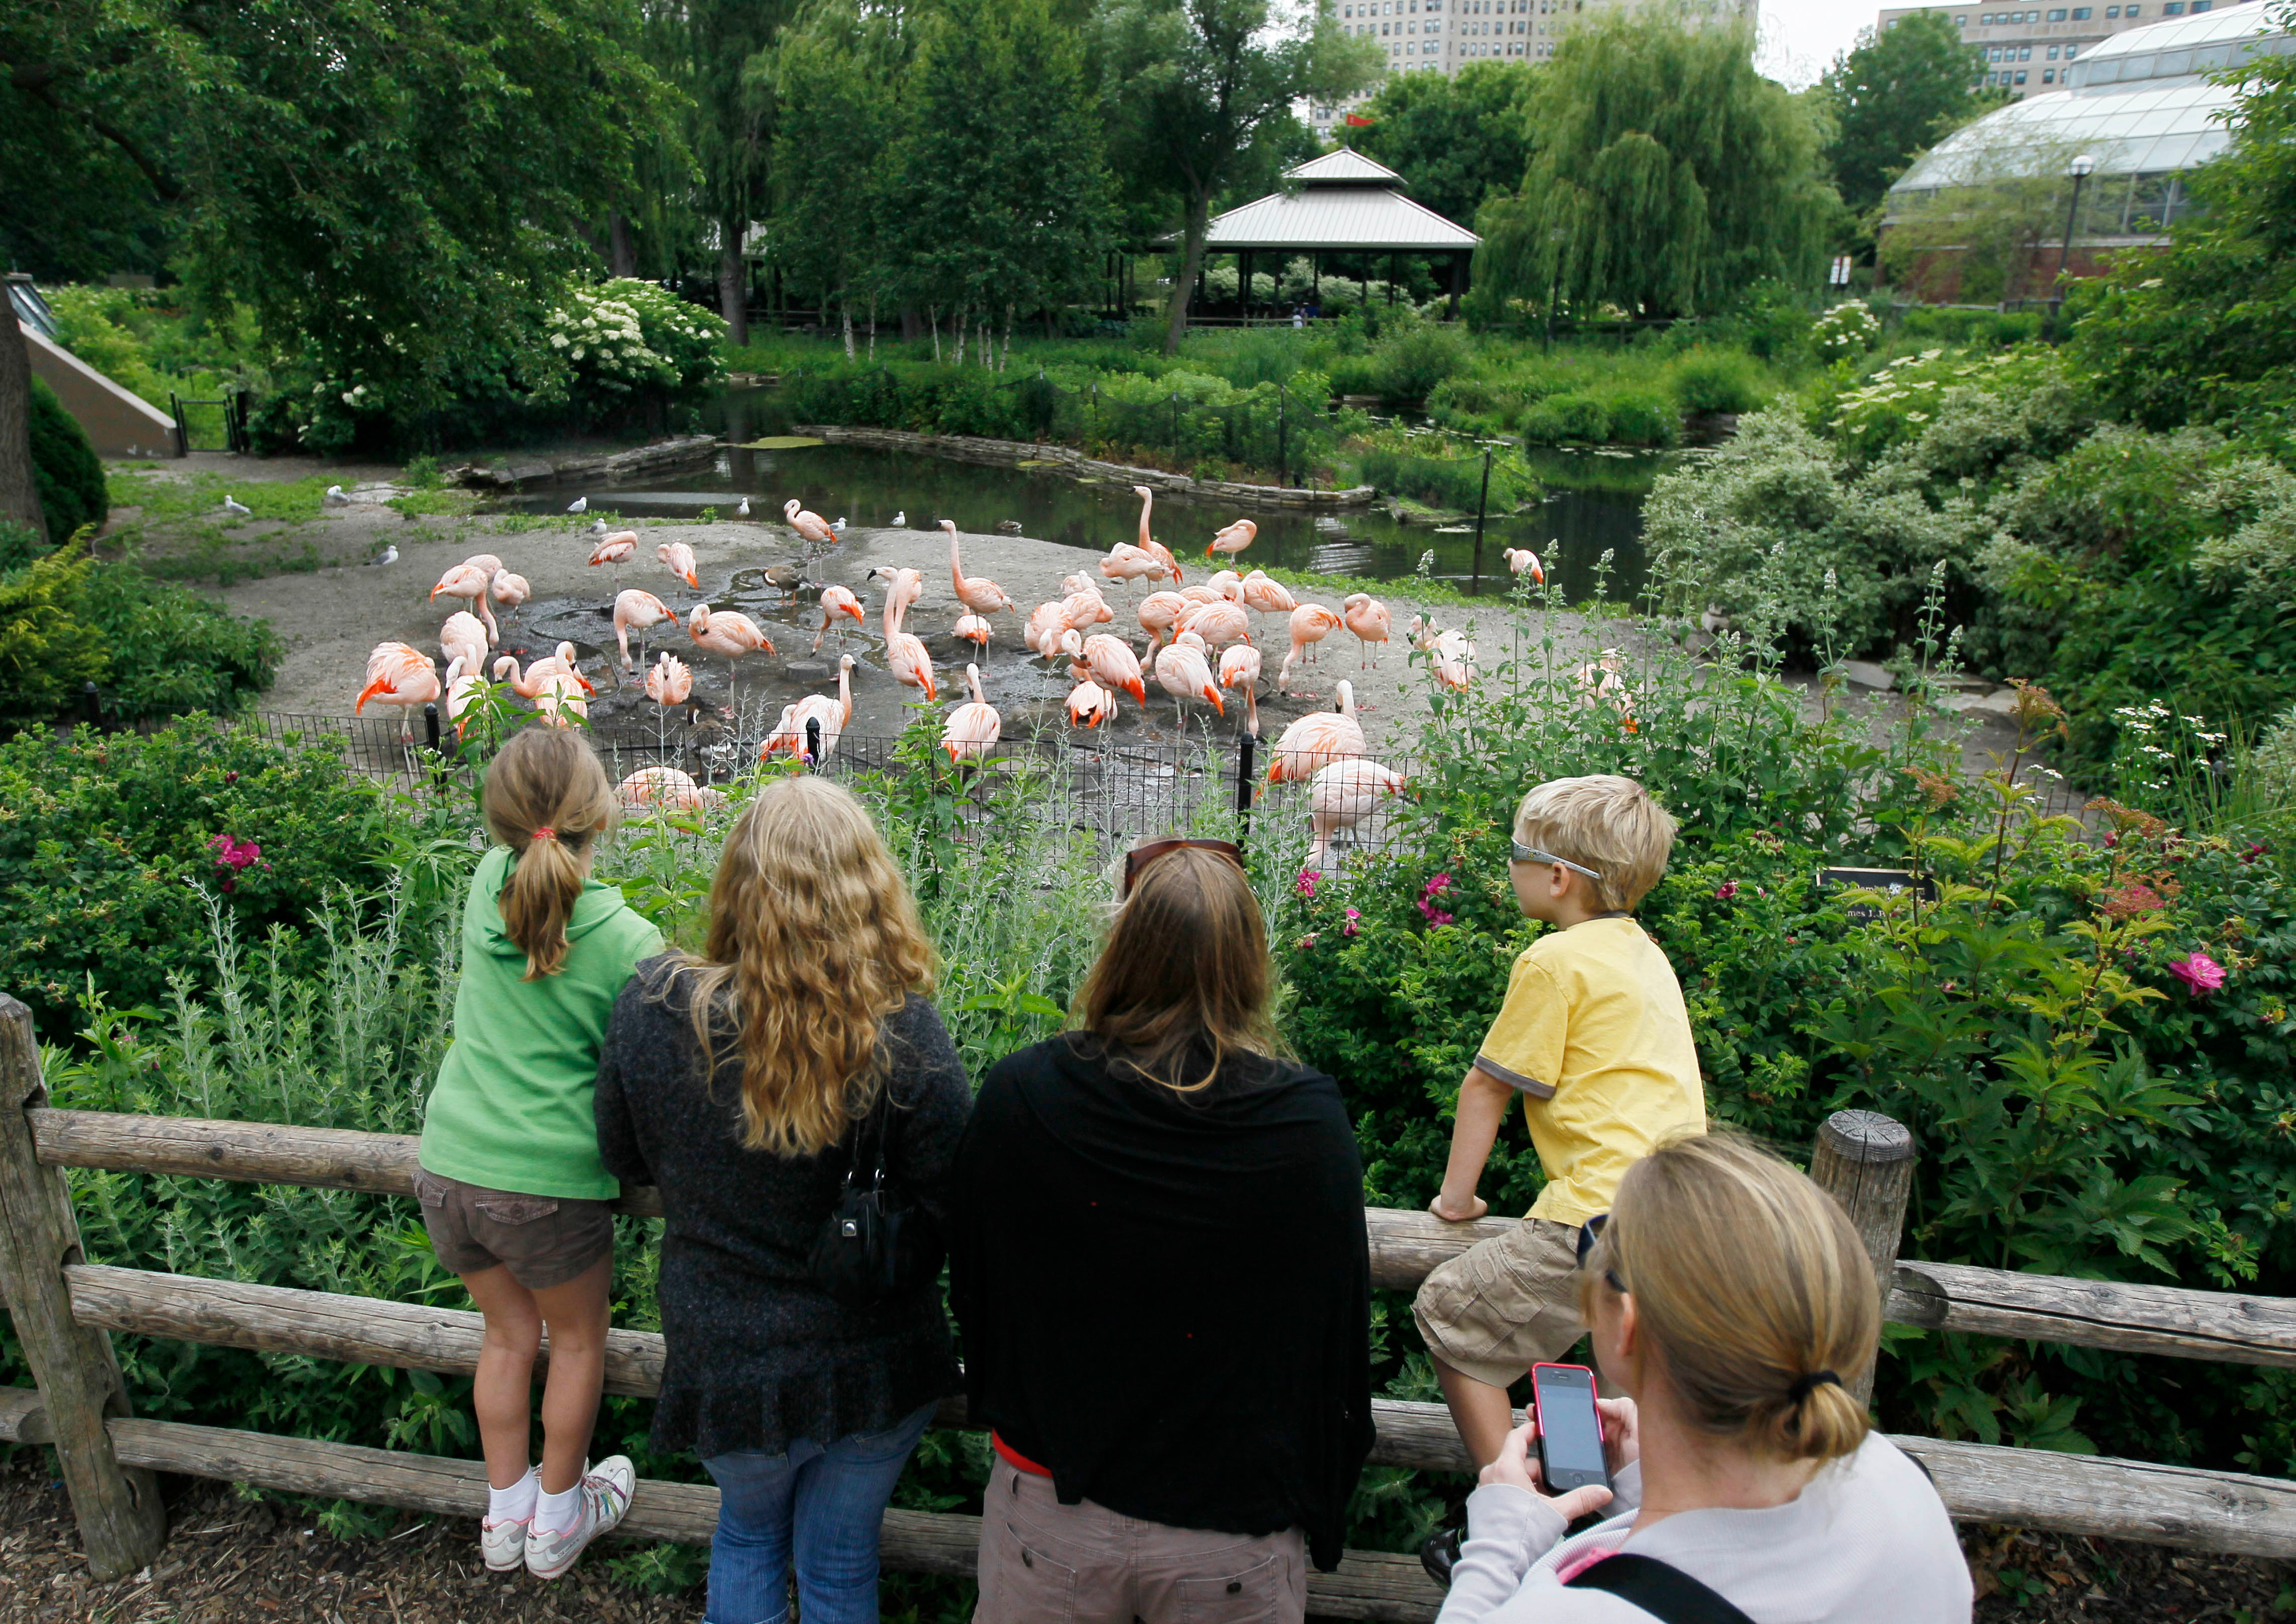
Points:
(547, 800)
(1752, 1289)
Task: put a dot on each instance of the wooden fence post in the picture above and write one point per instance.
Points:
(1865, 1161)
(121, 1522)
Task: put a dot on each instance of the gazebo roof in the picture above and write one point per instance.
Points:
(1346, 203)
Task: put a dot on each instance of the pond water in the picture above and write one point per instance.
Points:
(1592, 505)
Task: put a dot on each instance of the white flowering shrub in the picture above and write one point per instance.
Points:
(1849, 329)
(626, 334)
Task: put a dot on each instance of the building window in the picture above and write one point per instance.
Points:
(2025, 55)
(2202, 5)
(1961, 22)
(2058, 15)
(2130, 11)
(2021, 77)
(2175, 8)
(2052, 53)
(2080, 14)
(2048, 75)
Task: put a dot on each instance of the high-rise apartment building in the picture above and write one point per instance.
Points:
(2027, 49)
(1440, 36)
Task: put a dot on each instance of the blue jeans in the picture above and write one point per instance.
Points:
(822, 1504)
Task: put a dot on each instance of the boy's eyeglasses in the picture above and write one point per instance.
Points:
(1532, 854)
(1138, 858)
(1590, 1232)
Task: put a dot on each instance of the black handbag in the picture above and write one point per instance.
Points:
(875, 1243)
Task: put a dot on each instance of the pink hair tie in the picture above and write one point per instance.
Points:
(544, 833)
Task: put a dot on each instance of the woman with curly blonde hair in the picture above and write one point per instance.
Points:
(751, 1082)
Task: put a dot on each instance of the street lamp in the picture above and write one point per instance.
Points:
(2078, 168)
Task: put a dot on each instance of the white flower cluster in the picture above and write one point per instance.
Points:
(628, 332)
(1847, 328)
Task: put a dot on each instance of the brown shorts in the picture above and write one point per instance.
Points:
(1044, 1562)
(1505, 1304)
(543, 1240)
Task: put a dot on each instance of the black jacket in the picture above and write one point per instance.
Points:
(757, 1356)
(1165, 1297)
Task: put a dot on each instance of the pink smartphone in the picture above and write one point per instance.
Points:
(1570, 1427)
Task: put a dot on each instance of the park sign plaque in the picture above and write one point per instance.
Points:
(1891, 882)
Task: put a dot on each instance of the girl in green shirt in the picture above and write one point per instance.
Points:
(513, 1193)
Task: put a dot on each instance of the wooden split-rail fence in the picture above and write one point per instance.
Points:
(65, 1308)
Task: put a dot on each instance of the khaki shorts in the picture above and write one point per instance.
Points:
(1044, 1562)
(1505, 1304)
(544, 1241)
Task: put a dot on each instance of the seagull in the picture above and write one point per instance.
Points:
(388, 555)
(580, 505)
(597, 528)
(336, 498)
(743, 512)
(232, 505)
(900, 518)
(839, 526)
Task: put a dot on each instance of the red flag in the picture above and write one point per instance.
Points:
(1357, 121)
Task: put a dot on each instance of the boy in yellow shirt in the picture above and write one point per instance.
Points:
(1595, 1039)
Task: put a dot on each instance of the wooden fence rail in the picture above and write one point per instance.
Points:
(66, 1308)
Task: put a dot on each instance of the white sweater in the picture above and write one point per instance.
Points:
(1867, 1542)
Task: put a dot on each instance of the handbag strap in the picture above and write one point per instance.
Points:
(878, 1116)
(1659, 1589)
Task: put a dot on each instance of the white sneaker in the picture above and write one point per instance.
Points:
(606, 1490)
(503, 1543)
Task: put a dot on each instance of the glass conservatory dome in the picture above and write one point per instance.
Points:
(2140, 103)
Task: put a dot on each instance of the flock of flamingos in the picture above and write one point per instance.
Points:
(1199, 643)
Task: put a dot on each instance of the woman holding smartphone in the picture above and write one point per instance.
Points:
(1158, 1261)
(1729, 1298)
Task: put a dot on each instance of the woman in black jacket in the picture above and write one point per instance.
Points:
(1159, 1266)
(742, 1082)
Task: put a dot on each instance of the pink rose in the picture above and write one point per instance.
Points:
(2198, 972)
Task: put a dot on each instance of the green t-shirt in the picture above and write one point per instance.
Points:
(512, 1107)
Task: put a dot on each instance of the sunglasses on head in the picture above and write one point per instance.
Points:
(1137, 859)
(1590, 1232)
(1532, 854)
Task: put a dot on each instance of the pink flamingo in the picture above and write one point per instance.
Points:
(973, 728)
(616, 550)
(1234, 539)
(1316, 740)
(1239, 668)
(469, 583)
(1186, 674)
(679, 559)
(974, 629)
(464, 638)
(1228, 584)
(1264, 596)
(836, 600)
(1311, 623)
(903, 588)
(812, 526)
(1219, 624)
(1451, 656)
(486, 561)
(529, 684)
(398, 674)
(1127, 563)
(637, 610)
(1341, 795)
(1090, 705)
(1604, 681)
(1159, 613)
(831, 714)
(1149, 545)
(668, 788)
(669, 681)
(1114, 666)
(508, 590)
(1522, 560)
(977, 593)
(1366, 617)
(905, 652)
(463, 685)
(1043, 631)
(728, 634)
(1082, 610)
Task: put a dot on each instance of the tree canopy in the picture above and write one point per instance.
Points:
(1665, 176)
(1458, 139)
(1191, 87)
(1893, 95)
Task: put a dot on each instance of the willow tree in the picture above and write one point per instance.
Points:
(1665, 174)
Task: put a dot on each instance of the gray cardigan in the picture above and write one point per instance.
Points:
(758, 1356)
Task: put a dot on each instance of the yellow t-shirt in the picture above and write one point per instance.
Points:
(1594, 1033)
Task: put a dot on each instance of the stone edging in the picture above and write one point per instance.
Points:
(1006, 453)
(614, 465)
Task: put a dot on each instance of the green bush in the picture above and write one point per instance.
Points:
(65, 467)
(49, 645)
(1566, 420)
(110, 839)
(1410, 365)
(1638, 419)
(173, 651)
(1707, 381)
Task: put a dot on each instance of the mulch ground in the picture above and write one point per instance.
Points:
(231, 1560)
